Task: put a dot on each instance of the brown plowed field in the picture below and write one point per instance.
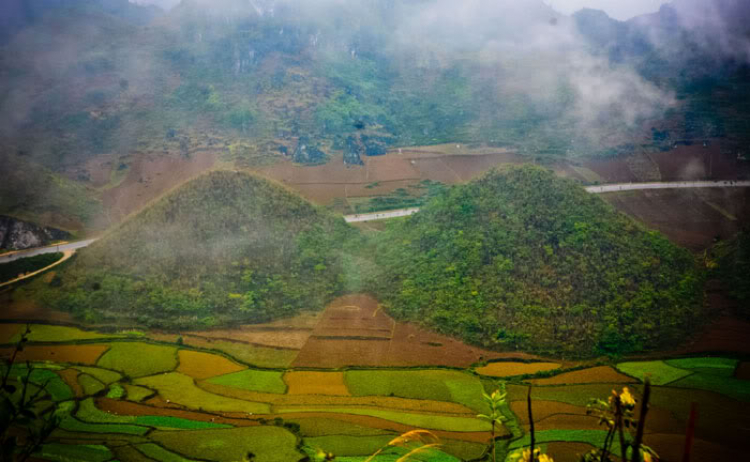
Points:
(150, 176)
(567, 452)
(689, 217)
(353, 331)
(543, 410)
(76, 354)
(601, 374)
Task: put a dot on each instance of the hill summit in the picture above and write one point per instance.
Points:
(226, 246)
(522, 259)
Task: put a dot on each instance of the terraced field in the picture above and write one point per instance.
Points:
(141, 397)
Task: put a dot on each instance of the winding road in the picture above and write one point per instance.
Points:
(386, 214)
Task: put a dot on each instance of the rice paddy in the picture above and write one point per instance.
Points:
(142, 400)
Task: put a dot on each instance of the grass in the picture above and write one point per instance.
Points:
(54, 385)
(577, 395)
(88, 412)
(592, 437)
(426, 421)
(396, 454)
(177, 423)
(138, 359)
(659, 372)
(90, 385)
(250, 354)
(181, 389)
(268, 443)
(253, 380)
(10, 271)
(105, 376)
(75, 425)
(74, 452)
(48, 333)
(137, 394)
(437, 385)
(318, 426)
(703, 363)
(158, 453)
(349, 445)
(729, 386)
(116, 391)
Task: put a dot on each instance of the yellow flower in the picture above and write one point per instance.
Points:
(626, 398)
(546, 458)
(647, 457)
(538, 456)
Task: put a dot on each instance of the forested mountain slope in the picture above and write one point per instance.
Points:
(523, 259)
(225, 247)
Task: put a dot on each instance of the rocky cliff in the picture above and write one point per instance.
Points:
(18, 235)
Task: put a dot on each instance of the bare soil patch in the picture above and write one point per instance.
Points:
(77, 354)
(316, 383)
(566, 422)
(150, 176)
(544, 409)
(204, 365)
(70, 377)
(353, 331)
(689, 217)
(567, 452)
(601, 374)
(743, 371)
(671, 447)
(510, 369)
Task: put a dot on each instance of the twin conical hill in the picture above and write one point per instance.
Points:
(523, 259)
(226, 246)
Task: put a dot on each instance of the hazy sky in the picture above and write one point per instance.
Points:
(619, 9)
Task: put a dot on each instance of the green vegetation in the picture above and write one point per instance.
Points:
(75, 425)
(657, 371)
(158, 453)
(268, 443)
(90, 385)
(253, 380)
(437, 385)
(426, 421)
(176, 422)
(349, 445)
(137, 359)
(137, 394)
(103, 375)
(226, 247)
(704, 363)
(181, 389)
(73, 452)
(592, 437)
(729, 386)
(733, 265)
(520, 258)
(12, 270)
(50, 333)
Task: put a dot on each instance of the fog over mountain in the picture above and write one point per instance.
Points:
(88, 78)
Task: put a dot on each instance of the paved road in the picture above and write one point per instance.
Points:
(592, 189)
(380, 215)
(6, 258)
(670, 185)
(384, 215)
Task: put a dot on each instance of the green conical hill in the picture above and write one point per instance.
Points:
(522, 259)
(226, 246)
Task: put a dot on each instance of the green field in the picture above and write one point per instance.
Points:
(137, 359)
(253, 380)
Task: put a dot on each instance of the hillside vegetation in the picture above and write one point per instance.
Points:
(522, 259)
(733, 267)
(518, 259)
(225, 247)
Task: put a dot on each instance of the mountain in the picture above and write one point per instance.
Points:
(88, 82)
(225, 247)
(522, 259)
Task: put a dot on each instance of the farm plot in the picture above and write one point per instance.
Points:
(510, 369)
(137, 359)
